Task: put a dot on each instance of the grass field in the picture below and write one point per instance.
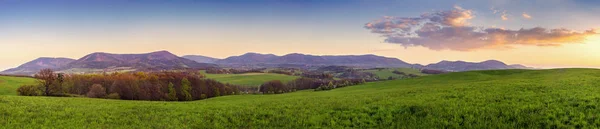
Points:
(249, 79)
(385, 73)
(9, 85)
(479, 99)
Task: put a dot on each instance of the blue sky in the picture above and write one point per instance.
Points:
(73, 28)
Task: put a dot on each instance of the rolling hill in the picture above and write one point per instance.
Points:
(249, 79)
(469, 66)
(9, 84)
(164, 60)
(476, 99)
(201, 59)
(154, 60)
(303, 59)
(99, 62)
(36, 65)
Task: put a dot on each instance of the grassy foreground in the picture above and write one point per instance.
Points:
(249, 79)
(480, 99)
(9, 85)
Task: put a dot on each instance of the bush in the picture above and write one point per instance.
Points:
(29, 90)
(96, 91)
(113, 96)
(398, 72)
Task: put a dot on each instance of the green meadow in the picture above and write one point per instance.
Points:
(558, 98)
(249, 79)
(9, 85)
(385, 73)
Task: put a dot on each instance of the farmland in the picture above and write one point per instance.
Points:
(560, 98)
(249, 79)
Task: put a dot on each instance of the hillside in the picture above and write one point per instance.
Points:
(9, 85)
(201, 59)
(469, 66)
(154, 60)
(249, 79)
(559, 98)
(385, 73)
(36, 65)
(303, 59)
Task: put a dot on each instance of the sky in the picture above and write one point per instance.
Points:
(538, 33)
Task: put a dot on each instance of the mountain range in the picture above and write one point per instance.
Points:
(36, 65)
(98, 62)
(154, 60)
(303, 59)
(201, 59)
(161, 60)
(469, 66)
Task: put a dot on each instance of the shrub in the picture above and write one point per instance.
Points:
(113, 96)
(391, 78)
(398, 72)
(96, 91)
(29, 90)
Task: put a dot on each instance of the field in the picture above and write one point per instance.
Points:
(249, 79)
(9, 85)
(560, 98)
(385, 73)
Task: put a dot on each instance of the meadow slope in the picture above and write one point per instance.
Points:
(385, 73)
(479, 99)
(249, 79)
(9, 85)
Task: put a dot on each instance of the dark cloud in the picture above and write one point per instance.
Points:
(451, 30)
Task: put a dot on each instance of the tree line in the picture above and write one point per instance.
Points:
(234, 71)
(162, 86)
(155, 86)
(303, 83)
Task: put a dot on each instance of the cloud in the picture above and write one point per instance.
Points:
(526, 16)
(451, 30)
(494, 10)
(504, 16)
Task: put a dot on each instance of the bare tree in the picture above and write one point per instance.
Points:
(47, 77)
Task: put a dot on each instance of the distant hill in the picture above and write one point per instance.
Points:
(153, 60)
(248, 58)
(99, 62)
(469, 66)
(164, 60)
(201, 59)
(302, 59)
(36, 65)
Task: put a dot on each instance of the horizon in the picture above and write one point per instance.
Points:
(72, 29)
(549, 67)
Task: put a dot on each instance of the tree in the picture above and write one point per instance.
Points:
(96, 91)
(274, 86)
(186, 89)
(47, 78)
(330, 85)
(172, 94)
